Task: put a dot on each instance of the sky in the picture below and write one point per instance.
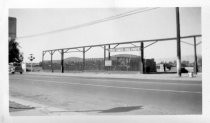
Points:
(158, 23)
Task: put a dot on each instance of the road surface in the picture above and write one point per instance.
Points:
(109, 96)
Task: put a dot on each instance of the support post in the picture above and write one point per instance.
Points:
(141, 63)
(104, 56)
(109, 57)
(83, 65)
(195, 55)
(62, 66)
(43, 60)
(31, 66)
(51, 53)
(178, 43)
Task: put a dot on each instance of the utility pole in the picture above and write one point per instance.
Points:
(31, 58)
(178, 63)
(195, 55)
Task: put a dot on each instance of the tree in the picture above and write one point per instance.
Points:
(14, 52)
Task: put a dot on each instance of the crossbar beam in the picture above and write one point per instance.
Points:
(150, 40)
(150, 44)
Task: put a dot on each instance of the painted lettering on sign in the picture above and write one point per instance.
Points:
(124, 49)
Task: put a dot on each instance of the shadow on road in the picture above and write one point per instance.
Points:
(112, 110)
(122, 109)
(115, 110)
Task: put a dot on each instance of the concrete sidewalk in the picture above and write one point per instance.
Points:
(172, 76)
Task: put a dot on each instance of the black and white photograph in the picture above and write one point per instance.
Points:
(105, 61)
(101, 61)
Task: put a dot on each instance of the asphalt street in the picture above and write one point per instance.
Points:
(109, 96)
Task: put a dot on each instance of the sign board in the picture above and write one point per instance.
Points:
(124, 49)
(31, 58)
(108, 62)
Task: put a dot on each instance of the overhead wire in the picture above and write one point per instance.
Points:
(136, 11)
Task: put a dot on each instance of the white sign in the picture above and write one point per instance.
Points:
(31, 58)
(124, 49)
(108, 62)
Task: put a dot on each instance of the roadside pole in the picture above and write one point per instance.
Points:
(141, 63)
(109, 57)
(104, 57)
(51, 61)
(195, 57)
(83, 63)
(178, 63)
(31, 58)
(62, 56)
(31, 66)
(43, 60)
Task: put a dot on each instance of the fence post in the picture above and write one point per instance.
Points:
(62, 66)
(104, 56)
(109, 57)
(141, 63)
(195, 55)
(83, 64)
(43, 60)
(51, 53)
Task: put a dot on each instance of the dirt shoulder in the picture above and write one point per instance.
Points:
(21, 107)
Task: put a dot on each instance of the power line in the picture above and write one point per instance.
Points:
(91, 23)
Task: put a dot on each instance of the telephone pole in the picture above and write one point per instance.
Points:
(178, 63)
(195, 57)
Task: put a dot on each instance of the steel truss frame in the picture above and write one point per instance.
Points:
(107, 46)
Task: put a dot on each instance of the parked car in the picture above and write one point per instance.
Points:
(15, 67)
(184, 70)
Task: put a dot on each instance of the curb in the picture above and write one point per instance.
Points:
(185, 78)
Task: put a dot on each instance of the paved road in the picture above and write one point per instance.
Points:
(110, 96)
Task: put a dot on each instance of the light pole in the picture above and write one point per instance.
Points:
(31, 58)
(178, 43)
